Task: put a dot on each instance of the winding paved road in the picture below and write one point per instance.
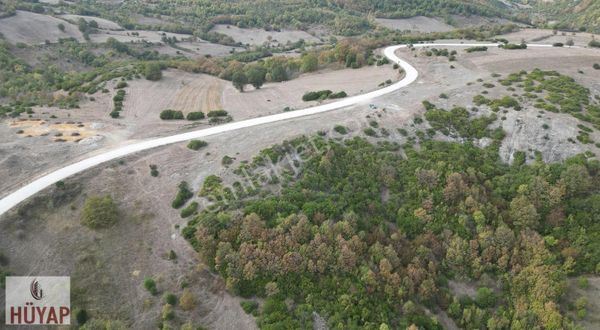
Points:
(14, 198)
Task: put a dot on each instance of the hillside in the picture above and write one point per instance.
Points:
(578, 14)
(348, 17)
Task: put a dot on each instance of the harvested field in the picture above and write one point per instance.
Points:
(103, 24)
(187, 45)
(197, 48)
(474, 20)
(274, 97)
(548, 37)
(31, 28)
(141, 19)
(417, 23)
(186, 92)
(259, 36)
(136, 36)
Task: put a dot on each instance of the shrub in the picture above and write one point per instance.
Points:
(476, 49)
(187, 301)
(150, 286)
(340, 129)
(121, 84)
(485, 298)
(338, 95)
(226, 160)
(558, 44)
(428, 105)
(152, 71)
(197, 144)
(99, 212)
(171, 114)
(154, 170)
(583, 283)
(114, 114)
(249, 306)
(81, 316)
(167, 312)
(514, 46)
(183, 195)
(196, 115)
(189, 210)
(216, 113)
(370, 132)
(594, 43)
(219, 120)
(313, 96)
(596, 66)
(170, 298)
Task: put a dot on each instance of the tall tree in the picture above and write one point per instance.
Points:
(239, 80)
(256, 76)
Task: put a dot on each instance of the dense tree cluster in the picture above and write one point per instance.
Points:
(332, 243)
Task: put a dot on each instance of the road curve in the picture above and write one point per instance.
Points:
(18, 196)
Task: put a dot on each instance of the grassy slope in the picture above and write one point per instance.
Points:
(568, 13)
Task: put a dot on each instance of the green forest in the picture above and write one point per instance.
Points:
(348, 17)
(369, 239)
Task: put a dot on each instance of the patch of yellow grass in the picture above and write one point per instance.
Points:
(64, 132)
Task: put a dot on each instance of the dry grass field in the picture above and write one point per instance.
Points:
(32, 28)
(259, 36)
(417, 23)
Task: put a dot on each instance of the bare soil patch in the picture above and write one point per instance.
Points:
(57, 131)
(591, 294)
(32, 28)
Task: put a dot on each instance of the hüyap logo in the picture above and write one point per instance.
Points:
(38, 300)
(36, 290)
